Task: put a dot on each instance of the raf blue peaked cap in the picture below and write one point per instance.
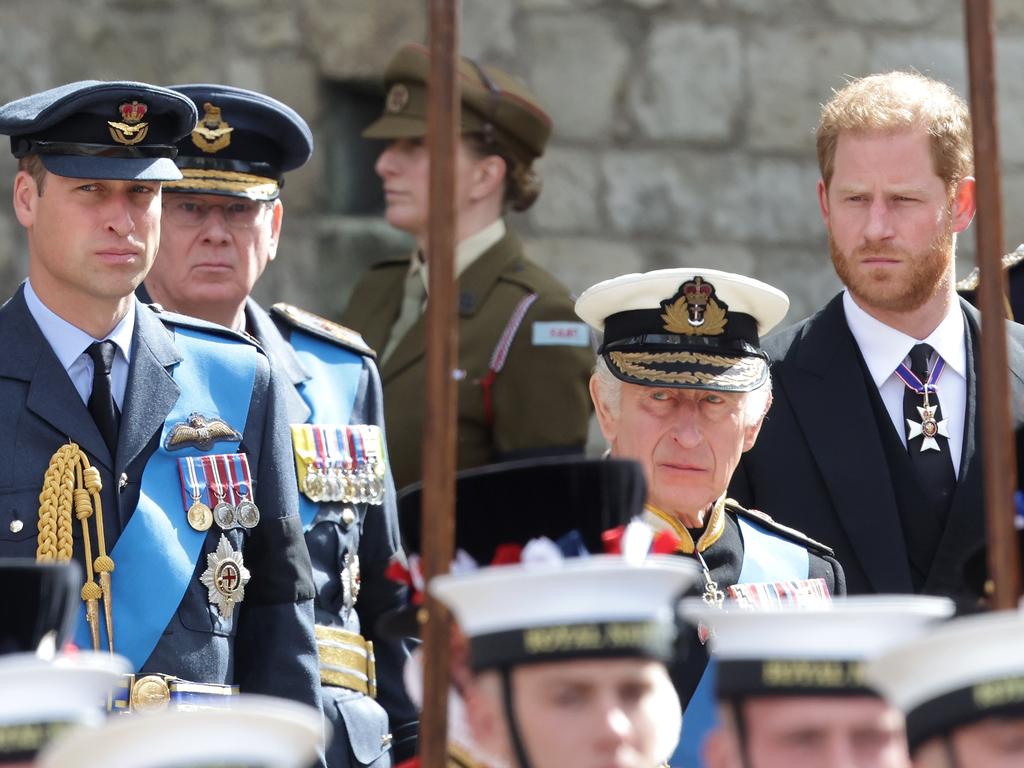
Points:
(243, 144)
(101, 130)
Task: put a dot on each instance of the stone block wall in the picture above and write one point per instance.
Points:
(683, 128)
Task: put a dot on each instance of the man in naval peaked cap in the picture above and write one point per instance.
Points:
(682, 386)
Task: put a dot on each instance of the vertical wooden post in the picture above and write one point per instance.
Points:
(993, 397)
(440, 408)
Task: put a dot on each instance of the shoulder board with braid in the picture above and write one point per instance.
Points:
(792, 534)
(322, 328)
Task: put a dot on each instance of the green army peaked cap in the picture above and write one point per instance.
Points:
(492, 101)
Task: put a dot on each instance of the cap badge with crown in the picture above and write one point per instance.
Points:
(693, 310)
(213, 133)
(131, 130)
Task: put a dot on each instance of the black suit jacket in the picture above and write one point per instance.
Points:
(819, 464)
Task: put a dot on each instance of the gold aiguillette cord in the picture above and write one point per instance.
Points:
(70, 481)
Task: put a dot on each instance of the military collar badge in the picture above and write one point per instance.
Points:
(201, 432)
(130, 129)
(398, 98)
(694, 310)
(212, 133)
(225, 577)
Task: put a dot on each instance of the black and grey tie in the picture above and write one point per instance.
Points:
(101, 401)
(927, 440)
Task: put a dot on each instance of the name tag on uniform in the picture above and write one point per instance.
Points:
(560, 334)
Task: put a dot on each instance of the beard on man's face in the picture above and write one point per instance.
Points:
(924, 274)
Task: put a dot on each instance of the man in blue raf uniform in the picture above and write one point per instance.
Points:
(148, 447)
(221, 227)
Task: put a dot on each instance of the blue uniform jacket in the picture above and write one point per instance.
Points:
(267, 646)
(361, 724)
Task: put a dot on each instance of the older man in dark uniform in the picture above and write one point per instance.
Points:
(523, 358)
(222, 223)
(682, 386)
(124, 425)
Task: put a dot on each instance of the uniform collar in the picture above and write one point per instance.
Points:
(661, 520)
(884, 347)
(466, 252)
(68, 341)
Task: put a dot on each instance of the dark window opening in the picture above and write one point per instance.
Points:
(353, 187)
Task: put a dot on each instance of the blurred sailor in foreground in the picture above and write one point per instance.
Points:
(961, 687)
(568, 656)
(790, 684)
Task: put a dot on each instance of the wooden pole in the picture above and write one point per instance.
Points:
(998, 453)
(440, 422)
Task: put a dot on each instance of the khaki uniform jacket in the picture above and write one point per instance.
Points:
(539, 402)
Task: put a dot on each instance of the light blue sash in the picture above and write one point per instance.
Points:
(766, 557)
(330, 392)
(155, 556)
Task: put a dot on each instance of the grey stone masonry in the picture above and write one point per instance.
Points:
(684, 129)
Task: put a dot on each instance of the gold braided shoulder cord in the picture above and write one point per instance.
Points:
(71, 482)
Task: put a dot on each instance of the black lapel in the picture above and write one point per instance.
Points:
(825, 382)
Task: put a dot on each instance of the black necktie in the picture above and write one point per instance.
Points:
(934, 468)
(101, 401)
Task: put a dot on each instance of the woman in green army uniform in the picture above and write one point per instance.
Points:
(524, 358)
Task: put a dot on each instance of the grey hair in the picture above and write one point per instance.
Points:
(755, 404)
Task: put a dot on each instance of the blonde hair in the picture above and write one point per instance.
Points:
(898, 101)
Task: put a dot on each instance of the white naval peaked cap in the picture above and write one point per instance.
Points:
(799, 651)
(966, 670)
(646, 290)
(252, 731)
(688, 327)
(598, 606)
(39, 698)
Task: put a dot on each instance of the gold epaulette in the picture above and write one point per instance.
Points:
(970, 283)
(322, 327)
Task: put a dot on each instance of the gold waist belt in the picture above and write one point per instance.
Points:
(346, 660)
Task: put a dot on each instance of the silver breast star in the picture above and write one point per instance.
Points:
(928, 428)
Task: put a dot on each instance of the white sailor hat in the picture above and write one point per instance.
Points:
(970, 669)
(690, 327)
(254, 732)
(41, 699)
(588, 607)
(795, 651)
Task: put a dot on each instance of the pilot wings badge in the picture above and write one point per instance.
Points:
(201, 432)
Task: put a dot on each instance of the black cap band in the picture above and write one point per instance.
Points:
(791, 677)
(638, 323)
(994, 698)
(21, 146)
(21, 742)
(563, 642)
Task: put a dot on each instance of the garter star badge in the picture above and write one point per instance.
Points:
(225, 577)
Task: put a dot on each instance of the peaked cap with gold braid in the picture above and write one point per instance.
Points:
(243, 144)
(690, 328)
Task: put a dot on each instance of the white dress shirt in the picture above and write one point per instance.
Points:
(884, 348)
(70, 342)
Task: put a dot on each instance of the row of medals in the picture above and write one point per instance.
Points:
(352, 486)
(245, 514)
